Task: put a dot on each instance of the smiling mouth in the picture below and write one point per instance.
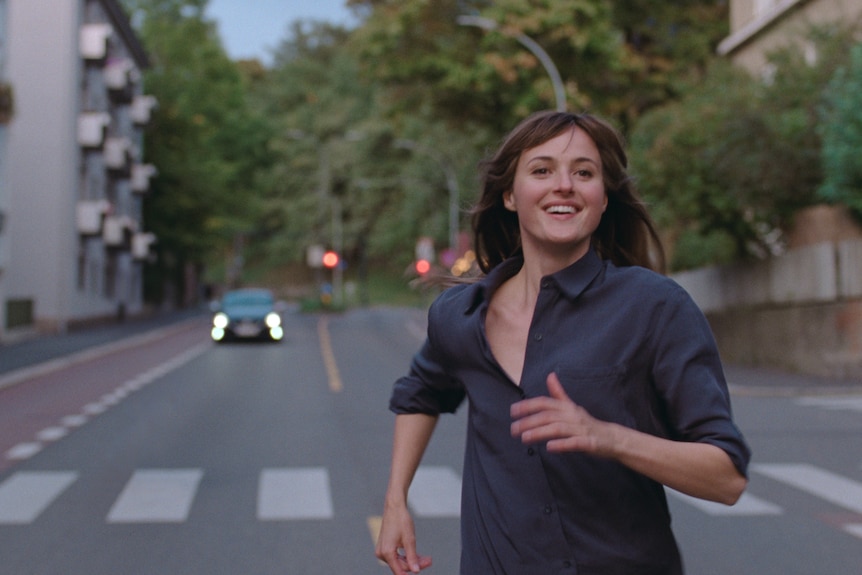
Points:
(561, 210)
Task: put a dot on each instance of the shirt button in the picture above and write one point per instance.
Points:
(548, 509)
(537, 337)
(567, 564)
(531, 451)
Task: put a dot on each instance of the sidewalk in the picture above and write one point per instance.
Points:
(28, 352)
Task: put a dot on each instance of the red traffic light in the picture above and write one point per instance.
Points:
(423, 267)
(330, 259)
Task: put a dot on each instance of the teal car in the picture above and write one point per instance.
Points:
(249, 313)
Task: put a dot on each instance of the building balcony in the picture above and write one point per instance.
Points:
(141, 243)
(93, 41)
(117, 231)
(141, 174)
(90, 214)
(120, 152)
(121, 76)
(141, 110)
(92, 127)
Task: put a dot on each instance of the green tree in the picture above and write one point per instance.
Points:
(729, 165)
(468, 76)
(205, 140)
(841, 131)
(668, 47)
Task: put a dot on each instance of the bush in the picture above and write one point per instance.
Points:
(841, 132)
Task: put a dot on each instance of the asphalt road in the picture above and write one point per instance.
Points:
(165, 453)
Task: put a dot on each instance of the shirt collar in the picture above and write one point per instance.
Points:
(571, 281)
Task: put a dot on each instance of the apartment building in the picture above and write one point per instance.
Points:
(5, 116)
(72, 180)
(758, 27)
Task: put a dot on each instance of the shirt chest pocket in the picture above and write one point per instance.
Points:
(600, 390)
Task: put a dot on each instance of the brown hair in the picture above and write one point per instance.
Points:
(626, 234)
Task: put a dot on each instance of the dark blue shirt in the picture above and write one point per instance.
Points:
(631, 347)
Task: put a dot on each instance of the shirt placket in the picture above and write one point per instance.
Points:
(533, 383)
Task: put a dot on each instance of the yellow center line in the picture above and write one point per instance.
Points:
(328, 356)
(374, 523)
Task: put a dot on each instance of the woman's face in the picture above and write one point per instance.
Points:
(559, 195)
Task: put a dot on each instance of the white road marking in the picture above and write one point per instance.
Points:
(300, 493)
(27, 450)
(854, 529)
(848, 402)
(52, 434)
(74, 420)
(24, 450)
(156, 496)
(748, 505)
(435, 492)
(832, 487)
(26, 494)
(94, 409)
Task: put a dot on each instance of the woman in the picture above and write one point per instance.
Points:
(592, 381)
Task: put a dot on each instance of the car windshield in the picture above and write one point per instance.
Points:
(248, 298)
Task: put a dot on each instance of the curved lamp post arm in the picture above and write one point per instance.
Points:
(532, 46)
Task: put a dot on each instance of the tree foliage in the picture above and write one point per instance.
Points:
(207, 144)
(730, 164)
(841, 131)
(306, 150)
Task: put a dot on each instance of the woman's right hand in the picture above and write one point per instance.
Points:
(396, 543)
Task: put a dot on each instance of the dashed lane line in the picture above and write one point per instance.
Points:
(67, 423)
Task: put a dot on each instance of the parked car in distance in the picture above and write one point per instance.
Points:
(248, 313)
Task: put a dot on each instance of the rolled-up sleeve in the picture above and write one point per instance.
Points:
(427, 387)
(689, 377)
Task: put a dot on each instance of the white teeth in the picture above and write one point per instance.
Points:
(561, 210)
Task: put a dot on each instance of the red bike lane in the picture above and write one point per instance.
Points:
(44, 403)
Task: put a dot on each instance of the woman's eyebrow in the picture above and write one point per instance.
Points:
(578, 160)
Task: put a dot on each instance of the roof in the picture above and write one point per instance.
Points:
(121, 23)
(757, 25)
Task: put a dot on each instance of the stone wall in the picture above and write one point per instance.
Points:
(801, 311)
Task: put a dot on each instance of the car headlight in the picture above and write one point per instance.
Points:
(221, 320)
(273, 319)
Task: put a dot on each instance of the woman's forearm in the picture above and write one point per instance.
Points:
(412, 433)
(698, 469)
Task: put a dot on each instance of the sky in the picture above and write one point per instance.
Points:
(252, 28)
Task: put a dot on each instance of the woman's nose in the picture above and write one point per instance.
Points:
(565, 182)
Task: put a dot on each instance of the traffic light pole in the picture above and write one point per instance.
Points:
(338, 246)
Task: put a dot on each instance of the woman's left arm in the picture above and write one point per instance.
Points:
(698, 469)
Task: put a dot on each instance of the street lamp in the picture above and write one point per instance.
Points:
(451, 185)
(532, 46)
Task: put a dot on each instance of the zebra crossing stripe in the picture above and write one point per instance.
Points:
(435, 492)
(27, 494)
(854, 529)
(748, 505)
(832, 487)
(297, 493)
(848, 402)
(156, 496)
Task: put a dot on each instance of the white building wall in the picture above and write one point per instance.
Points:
(71, 273)
(42, 155)
(3, 194)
